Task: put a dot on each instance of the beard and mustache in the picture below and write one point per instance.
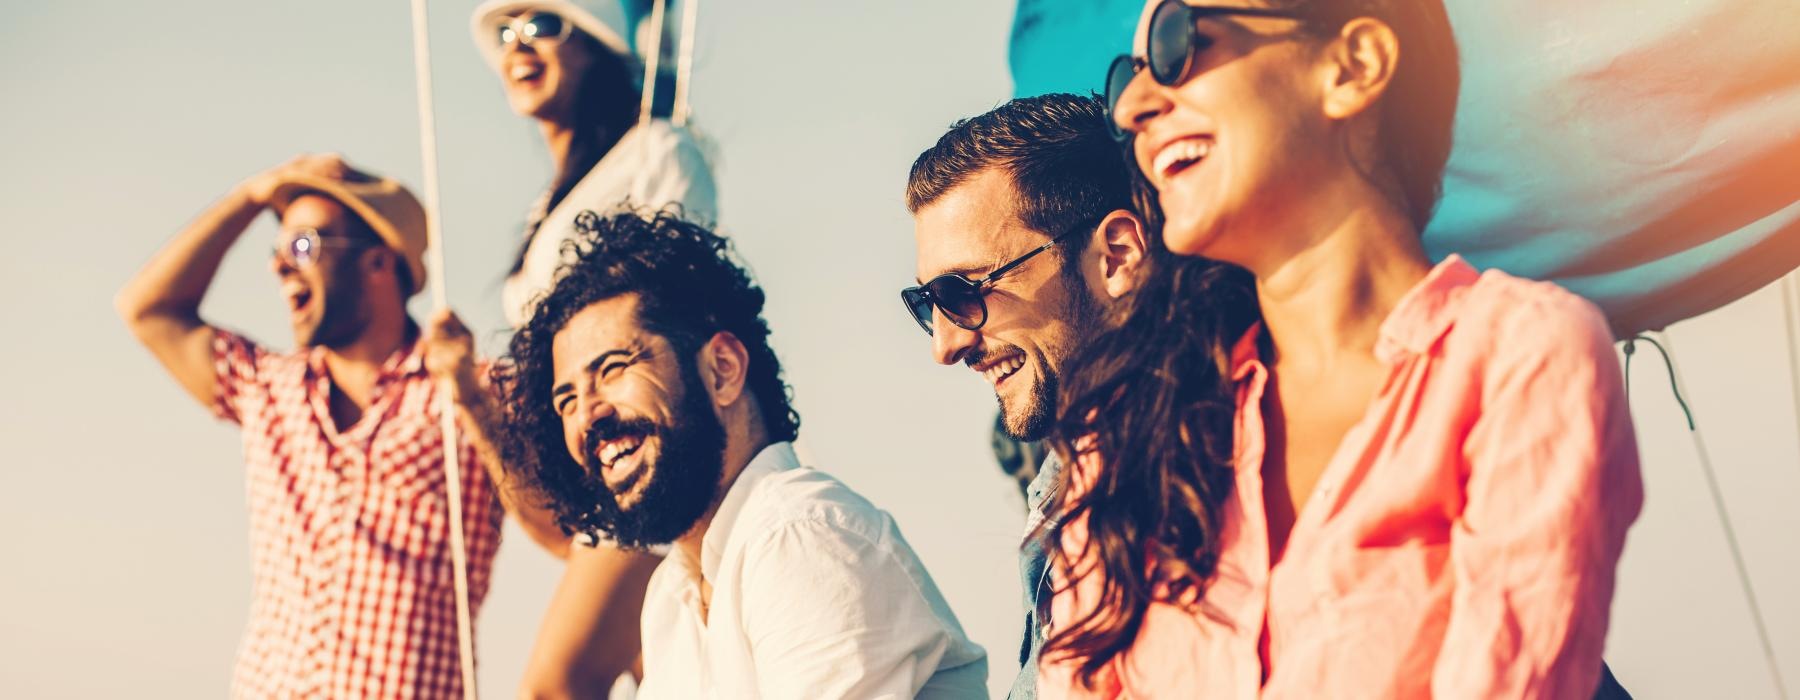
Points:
(343, 317)
(675, 486)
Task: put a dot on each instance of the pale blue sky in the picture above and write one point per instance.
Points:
(122, 515)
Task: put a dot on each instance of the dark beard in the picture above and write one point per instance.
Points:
(683, 481)
(345, 317)
(1086, 315)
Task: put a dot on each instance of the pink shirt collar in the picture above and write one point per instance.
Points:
(1421, 317)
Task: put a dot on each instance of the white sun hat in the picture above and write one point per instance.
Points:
(600, 19)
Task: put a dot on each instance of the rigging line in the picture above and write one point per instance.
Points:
(1790, 308)
(652, 61)
(1718, 499)
(684, 64)
(434, 237)
(640, 182)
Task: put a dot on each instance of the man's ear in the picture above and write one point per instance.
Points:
(1122, 246)
(724, 366)
(381, 261)
(1361, 62)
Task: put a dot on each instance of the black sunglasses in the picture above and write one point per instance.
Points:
(1169, 49)
(962, 299)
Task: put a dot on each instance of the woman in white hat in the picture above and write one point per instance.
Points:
(565, 65)
(568, 66)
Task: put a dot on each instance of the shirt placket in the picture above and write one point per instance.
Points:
(329, 575)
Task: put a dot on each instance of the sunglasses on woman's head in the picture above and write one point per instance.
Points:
(1169, 49)
(962, 299)
(531, 27)
(300, 247)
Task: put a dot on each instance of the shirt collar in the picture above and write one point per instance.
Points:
(1422, 316)
(1426, 312)
(406, 361)
(774, 459)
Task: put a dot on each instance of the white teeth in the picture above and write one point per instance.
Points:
(521, 72)
(611, 452)
(1181, 153)
(1003, 369)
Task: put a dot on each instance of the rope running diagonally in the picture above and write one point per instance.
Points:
(1667, 349)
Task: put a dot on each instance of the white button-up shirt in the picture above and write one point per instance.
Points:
(814, 595)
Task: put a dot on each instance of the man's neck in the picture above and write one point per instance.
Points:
(738, 453)
(354, 368)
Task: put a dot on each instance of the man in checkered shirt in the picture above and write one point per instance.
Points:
(353, 592)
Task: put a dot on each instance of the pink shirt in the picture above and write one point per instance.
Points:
(1460, 543)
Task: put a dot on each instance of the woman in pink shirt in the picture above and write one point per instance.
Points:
(1431, 470)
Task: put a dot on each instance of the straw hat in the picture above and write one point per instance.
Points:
(385, 205)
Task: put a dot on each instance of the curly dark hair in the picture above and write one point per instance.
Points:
(690, 287)
(1151, 398)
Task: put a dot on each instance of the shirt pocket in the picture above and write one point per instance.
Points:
(1384, 610)
(406, 512)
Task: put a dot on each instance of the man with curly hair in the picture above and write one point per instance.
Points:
(646, 404)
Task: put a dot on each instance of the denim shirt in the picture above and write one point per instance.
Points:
(1032, 564)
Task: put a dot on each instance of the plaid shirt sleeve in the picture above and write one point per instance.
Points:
(235, 363)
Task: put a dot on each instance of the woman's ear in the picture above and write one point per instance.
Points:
(1362, 60)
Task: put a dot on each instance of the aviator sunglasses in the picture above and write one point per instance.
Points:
(962, 299)
(1169, 49)
(300, 247)
(531, 27)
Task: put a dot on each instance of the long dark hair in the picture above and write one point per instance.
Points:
(606, 105)
(1152, 394)
(1152, 397)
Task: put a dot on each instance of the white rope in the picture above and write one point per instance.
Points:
(646, 106)
(1667, 348)
(652, 59)
(684, 66)
(434, 237)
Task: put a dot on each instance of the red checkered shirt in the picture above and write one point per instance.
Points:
(353, 593)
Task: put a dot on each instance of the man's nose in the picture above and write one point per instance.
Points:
(950, 342)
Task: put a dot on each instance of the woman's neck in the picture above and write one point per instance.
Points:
(1324, 301)
(559, 138)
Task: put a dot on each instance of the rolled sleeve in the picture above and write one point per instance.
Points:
(1551, 486)
(236, 361)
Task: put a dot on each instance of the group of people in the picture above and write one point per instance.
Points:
(1290, 456)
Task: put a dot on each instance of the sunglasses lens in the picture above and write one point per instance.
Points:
(918, 304)
(1171, 34)
(506, 36)
(300, 249)
(1118, 77)
(544, 25)
(959, 300)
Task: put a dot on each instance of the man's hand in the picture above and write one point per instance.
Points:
(260, 188)
(450, 354)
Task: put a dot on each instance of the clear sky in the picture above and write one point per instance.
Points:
(122, 511)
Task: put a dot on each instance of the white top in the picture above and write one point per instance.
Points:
(650, 167)
(814, 595)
